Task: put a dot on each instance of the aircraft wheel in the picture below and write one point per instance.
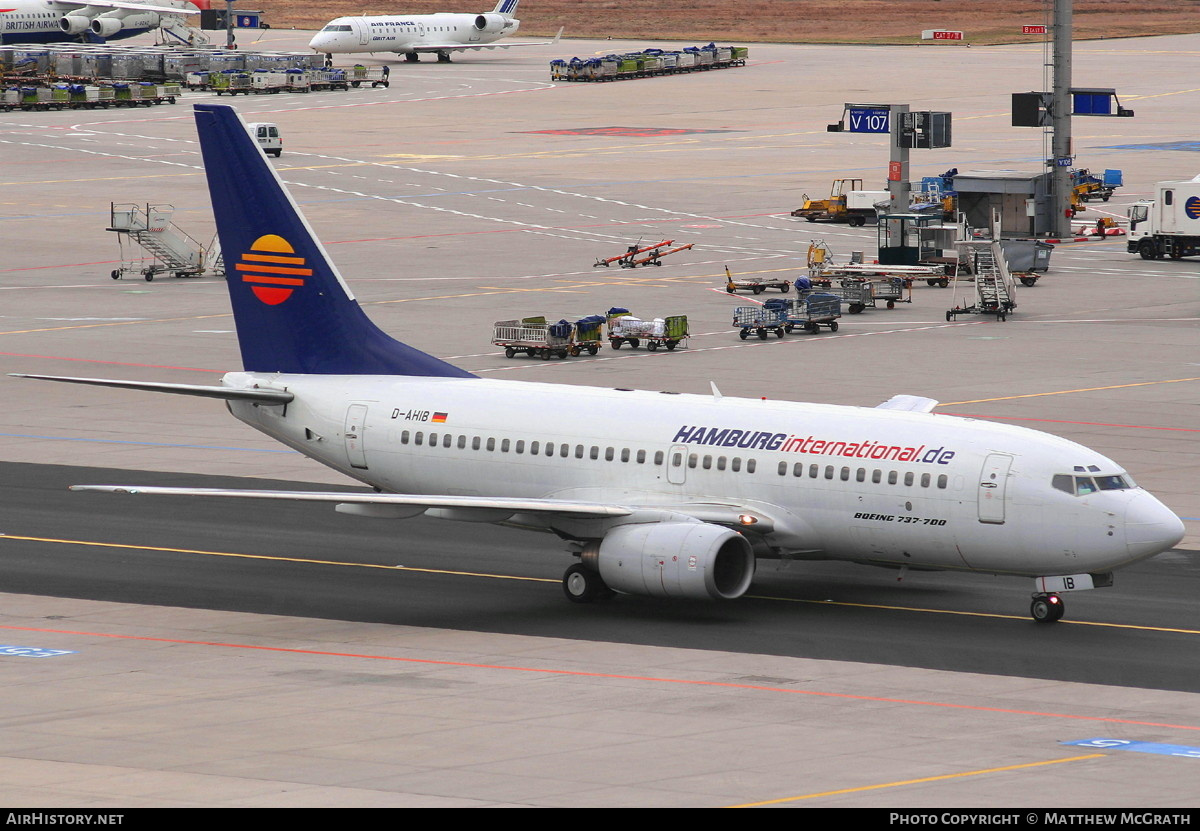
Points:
(1046, 608)
(582, 585)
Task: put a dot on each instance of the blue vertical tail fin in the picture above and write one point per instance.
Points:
(293, 311)
(508, 8)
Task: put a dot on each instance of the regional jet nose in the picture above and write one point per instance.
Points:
(1151, 527)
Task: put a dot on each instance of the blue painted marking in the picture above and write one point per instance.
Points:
(1140, 747)
(1165, 145)
(34, 651)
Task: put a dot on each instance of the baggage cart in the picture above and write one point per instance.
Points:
(772, 316)
(588, 335)
(534, 337)
(860, 294)
(358, 75)
(811, 312)
(756, 285)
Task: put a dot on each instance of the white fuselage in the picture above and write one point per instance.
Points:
(833, 482)
(47, 21)
(411, 33)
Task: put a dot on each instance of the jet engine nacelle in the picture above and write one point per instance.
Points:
(74, 24)
(107, 25)
(676, 559)
(490, 23)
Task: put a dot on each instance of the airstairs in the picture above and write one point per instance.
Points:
(171, 250)
(995, 288)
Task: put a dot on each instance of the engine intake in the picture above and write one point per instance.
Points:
(675, 559)
(74, 24)
(490, 23)
(106, 27)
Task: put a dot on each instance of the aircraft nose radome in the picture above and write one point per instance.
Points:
(1151, 527)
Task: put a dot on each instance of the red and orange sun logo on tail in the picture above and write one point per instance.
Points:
(272, 274)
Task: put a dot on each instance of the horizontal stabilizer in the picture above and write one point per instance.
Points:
(226, 393)
(908, 403)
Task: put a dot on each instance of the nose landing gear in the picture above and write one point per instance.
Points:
(1046, 608)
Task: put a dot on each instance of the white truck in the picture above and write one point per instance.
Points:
(1168, 226)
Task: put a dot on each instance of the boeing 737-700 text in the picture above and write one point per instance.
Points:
(680, 505)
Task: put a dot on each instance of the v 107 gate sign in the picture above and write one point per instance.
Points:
(869, 121)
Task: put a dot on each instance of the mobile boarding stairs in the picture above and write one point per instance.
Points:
(171, 250)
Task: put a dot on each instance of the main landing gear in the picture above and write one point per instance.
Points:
(1046, 608)
(582, 585)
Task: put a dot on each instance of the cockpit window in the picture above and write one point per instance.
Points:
(1083, 485)
(336, 28)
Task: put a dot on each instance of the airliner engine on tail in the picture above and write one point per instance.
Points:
(681, 504)
(410, 35)
(53, 21)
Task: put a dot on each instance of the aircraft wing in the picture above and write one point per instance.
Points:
(137, 7)
(472, 47)
(391, 504)
(477, 508)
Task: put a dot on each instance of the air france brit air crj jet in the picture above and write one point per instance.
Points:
(52, 21)
(412, 34)
(681, 505)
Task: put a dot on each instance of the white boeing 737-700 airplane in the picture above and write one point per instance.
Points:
(654, 494)
(412, 34)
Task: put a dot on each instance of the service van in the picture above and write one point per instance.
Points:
(268, 138)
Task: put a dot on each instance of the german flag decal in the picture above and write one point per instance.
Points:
(271, 273)
(438, 418)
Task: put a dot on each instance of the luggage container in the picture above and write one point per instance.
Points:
(624, 328)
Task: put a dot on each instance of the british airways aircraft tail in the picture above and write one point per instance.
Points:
(293, 311)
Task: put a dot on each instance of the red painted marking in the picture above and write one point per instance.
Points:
(607, 675)
(271, 296)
